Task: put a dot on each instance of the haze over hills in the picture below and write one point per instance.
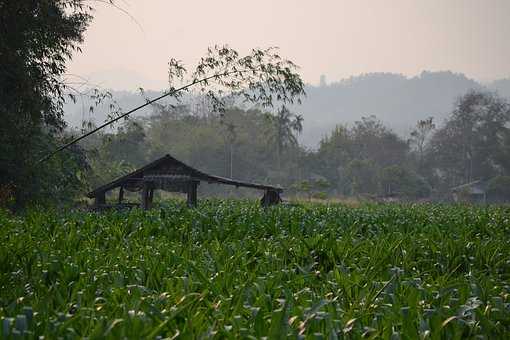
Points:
(397, 100)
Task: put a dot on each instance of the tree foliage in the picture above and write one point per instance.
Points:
(283, 129)
(37, 38)
(353, 157)
(366, 158)
(420, 135)
(202, 141)
(473, 143)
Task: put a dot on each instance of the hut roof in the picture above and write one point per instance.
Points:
(169, 167)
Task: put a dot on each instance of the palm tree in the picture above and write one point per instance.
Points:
(283, 129)
(230, 136)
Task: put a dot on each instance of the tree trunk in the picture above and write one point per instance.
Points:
(231, 159)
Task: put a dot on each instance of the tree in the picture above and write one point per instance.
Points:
(373, 141)
(470, 144)
(222, 77)
(127, 144)
(37, 38)
(502, 154)
(362, 175)
(283, 127)
(397, 180)
(334, 153)
(420, 135)
(352, 157)
(205, 141)
(230, 136)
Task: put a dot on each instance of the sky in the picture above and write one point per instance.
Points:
(337, 38)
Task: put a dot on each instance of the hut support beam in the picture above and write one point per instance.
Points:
(271, 197)
(100, 199)
(145, 196)
(151, 196)
(192, 194)
(121, 195)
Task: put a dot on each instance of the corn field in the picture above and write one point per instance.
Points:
(230, 269)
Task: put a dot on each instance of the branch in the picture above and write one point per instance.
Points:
(111, 3)
(149, 102)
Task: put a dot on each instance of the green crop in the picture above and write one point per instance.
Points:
(233, 270)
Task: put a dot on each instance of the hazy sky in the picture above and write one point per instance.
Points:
(338, 38)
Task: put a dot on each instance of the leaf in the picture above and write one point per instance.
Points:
(447, 321)
(112, 326)
(279, 324)
(349, 325)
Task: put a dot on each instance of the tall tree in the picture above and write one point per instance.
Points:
(230, 136)
(420, 135)
(352, 157)
(335, 152)
(372, 140)
(470, 144)
(282, 131)
(37, 38)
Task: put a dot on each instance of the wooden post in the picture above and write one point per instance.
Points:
(145, 196)
(271, 197)
(121, 194)
(192, 194)
(151, 196)
(265, 199)
(100, 199)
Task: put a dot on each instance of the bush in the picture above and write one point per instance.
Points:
(396, 179)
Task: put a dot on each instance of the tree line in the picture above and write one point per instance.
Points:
(40, 159)
(364, 159)
(38, 38)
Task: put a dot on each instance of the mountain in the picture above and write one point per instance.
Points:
(397, 100)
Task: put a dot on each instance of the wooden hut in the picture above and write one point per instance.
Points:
(170, 174)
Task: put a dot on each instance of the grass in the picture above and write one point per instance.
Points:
(233, 270)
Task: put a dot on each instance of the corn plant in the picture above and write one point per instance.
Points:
(230, 269)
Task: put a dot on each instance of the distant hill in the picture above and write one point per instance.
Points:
(397, 100)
